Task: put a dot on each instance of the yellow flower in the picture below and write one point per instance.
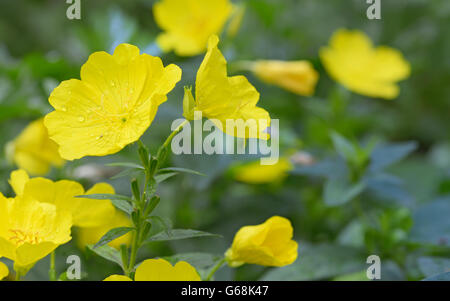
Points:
(4, 272)
(295, 76)
(352, 60)
(267, 244)
(30, 230)
(161, 270)
(221, 98)
(188, 24)
(89, 236)
(33, 150)
(237, 15)
(255, 173)
(62, 194)
(112, 105)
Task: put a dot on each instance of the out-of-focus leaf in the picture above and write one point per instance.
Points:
(386, 155)
(338, 191)
(126, 164)
(344, 147)
(430, 266)
(389, 188)
(179, 169)
(439, 277)
(316, 262)
(432, 222)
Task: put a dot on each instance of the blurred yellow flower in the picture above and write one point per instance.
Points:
(112, 105)
(352, 60)
(221, 98)
(161, 270)
(188, 24)
(267, 244)
(4, 272)
(237, 15)
(30, 230)
(33, 150)
(91, 235)
(298, 77)
(62, 194)
(255, 173)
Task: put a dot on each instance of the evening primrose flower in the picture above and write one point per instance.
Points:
(161, 270)
(351, 60)
(91, 235)
(267, 244)
(221, 98)
(4, 272)
(188, 24)
(298, 77)
(62, 194)
(33, 150)
(112, 105)
(255, 173)
(30, 230)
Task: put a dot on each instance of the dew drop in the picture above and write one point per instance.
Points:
(64, 108)
(81, 118)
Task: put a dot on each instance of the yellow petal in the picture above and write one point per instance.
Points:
(162, 270)
(4, 272)
(255, 173)
(352, 60)
(94, 213)
(33, 150)
(187, 24)
(295, 76)
(18, 179)
(112, 105)
(117, 278)
(222, 98)
(267, 244)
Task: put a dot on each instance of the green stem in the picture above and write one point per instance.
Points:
(17, 278)
(134, 251)
(215, 269)
(169, 139)
(52, 271)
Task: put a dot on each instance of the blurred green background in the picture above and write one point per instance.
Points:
(401, 212)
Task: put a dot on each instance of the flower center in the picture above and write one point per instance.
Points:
(19, 237)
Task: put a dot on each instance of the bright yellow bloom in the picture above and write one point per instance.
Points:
(237, 15)
(89, 236)
(298, 77)
(4, 272)
(221, 98)
(188, 24)
(161, 270)
(62, 194)
(33, 150)
(352, 60)
(267, 244)
(112, 105)
(255, 173)
(30, 230)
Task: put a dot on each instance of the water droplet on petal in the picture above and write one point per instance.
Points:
(64, 108)
(81, 118)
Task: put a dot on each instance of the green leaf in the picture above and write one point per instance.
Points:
(177, 234)
(161, 178)
(112, 234)
(126, 164)
(179, 169)
(164, 222)
(316, 262)
(439, 277)
(121, 202)
(107, 252)
(125, 173)
(430, 266)
(338, 191)
(386, 155)
(344, 147)
(104, 196)
(202, 262)
(123, 205)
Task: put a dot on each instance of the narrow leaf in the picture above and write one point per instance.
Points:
(107, 252)
(165, 176)
(179, 169)
(177, 234)
(112, 234)
(126, 164)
